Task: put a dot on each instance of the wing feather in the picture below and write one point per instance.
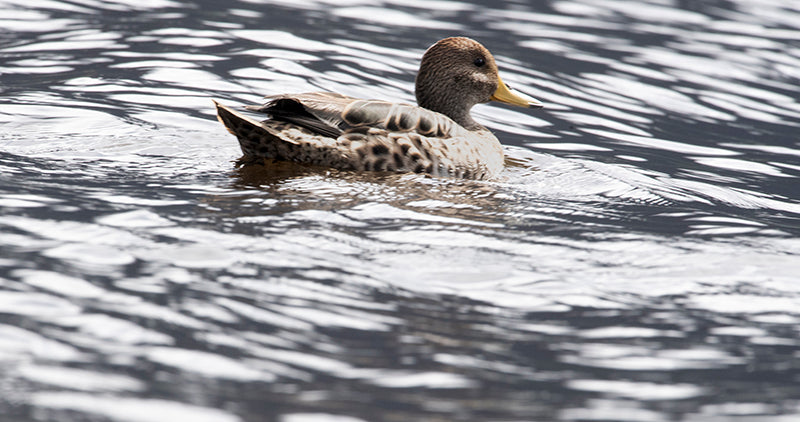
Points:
(333, 115)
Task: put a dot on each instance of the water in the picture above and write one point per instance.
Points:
(637, 260)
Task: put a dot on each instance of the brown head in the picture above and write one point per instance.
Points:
(457, 73)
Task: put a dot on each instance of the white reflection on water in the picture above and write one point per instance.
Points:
(638, 390)
(78, 379)
(128, 409)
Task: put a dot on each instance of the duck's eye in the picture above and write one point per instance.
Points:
(480, 61)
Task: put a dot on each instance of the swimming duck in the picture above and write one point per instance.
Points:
(438, 137)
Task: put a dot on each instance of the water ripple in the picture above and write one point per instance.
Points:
(636, 260)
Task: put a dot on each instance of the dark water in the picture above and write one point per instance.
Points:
(637, 261)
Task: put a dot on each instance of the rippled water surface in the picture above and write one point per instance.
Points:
(638, 259)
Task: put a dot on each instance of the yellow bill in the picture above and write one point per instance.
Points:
(504, 94)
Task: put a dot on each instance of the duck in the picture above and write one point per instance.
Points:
(437, 137)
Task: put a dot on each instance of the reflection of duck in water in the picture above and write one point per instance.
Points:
(439, 137)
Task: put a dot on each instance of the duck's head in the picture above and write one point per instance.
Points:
(457, 73)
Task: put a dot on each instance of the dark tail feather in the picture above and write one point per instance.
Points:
(236, 123)
(255, 139)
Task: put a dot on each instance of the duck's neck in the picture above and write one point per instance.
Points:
(464, 119)
(460, 115)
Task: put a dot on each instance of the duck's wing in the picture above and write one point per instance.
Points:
(330, 114)
(319, 112)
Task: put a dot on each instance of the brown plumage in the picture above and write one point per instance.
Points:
(438, 137)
